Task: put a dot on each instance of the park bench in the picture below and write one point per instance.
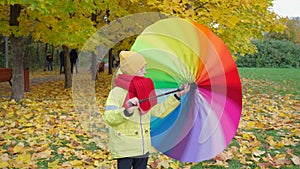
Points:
(6, 75)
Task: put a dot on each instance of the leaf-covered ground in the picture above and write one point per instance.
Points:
(43, 130)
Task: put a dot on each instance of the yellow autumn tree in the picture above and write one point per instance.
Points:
(59, 23)
(236, 22)
(70, 23)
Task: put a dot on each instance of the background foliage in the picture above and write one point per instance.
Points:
(291, 33)
(276, 50)
(72, 22)
(272, 53)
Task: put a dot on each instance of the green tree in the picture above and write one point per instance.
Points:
(272, 53)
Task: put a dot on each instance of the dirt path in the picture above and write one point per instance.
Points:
(34, 79)
(47, 78)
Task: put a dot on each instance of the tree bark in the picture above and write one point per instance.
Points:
(17, 55)
(68, 76)
(6, 52)
(18, 72)
(15, 11)
(44, 57)
(110, 61)
(38, 52)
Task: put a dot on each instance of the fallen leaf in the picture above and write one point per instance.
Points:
(258, 152)
(18, 148)
(54, 164)
(24, 158)
(76, 163)
(4, 164)
(296, 160)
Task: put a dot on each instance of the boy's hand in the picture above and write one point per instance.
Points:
(186, 88)
(133, 104)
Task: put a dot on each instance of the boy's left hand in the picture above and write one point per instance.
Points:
(133, 101)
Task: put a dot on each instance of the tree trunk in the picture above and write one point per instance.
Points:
(38, 52)
(68, 77)
(17, 55)
(15, 11)
(18, 75)
(44, 57)
(6, 52)
(110, 61)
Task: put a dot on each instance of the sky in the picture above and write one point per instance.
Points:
(290, 8)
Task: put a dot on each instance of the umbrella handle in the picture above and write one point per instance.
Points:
(140, 101)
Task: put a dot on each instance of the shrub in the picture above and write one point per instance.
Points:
(272, 53)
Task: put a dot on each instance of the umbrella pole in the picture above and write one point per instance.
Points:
(150, 98)
(163, 94)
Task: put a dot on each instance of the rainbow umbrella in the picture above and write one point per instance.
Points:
(179, 51)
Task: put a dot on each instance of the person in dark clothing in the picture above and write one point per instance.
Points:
(62, 62)
(73, 59)
(49, 59)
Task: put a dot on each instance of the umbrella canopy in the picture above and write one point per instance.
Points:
(179, 51)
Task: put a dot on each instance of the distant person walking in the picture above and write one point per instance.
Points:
(49, 59)
(73, 59)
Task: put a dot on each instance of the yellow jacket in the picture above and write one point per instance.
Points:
(130, 136)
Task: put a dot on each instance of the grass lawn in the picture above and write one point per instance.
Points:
(278, 80)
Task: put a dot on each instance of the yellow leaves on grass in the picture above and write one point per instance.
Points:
(274, 144)
(268, 128)
(20, 160)
(23, 160)
(160, 161)
(45, 131)
(266, 112)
